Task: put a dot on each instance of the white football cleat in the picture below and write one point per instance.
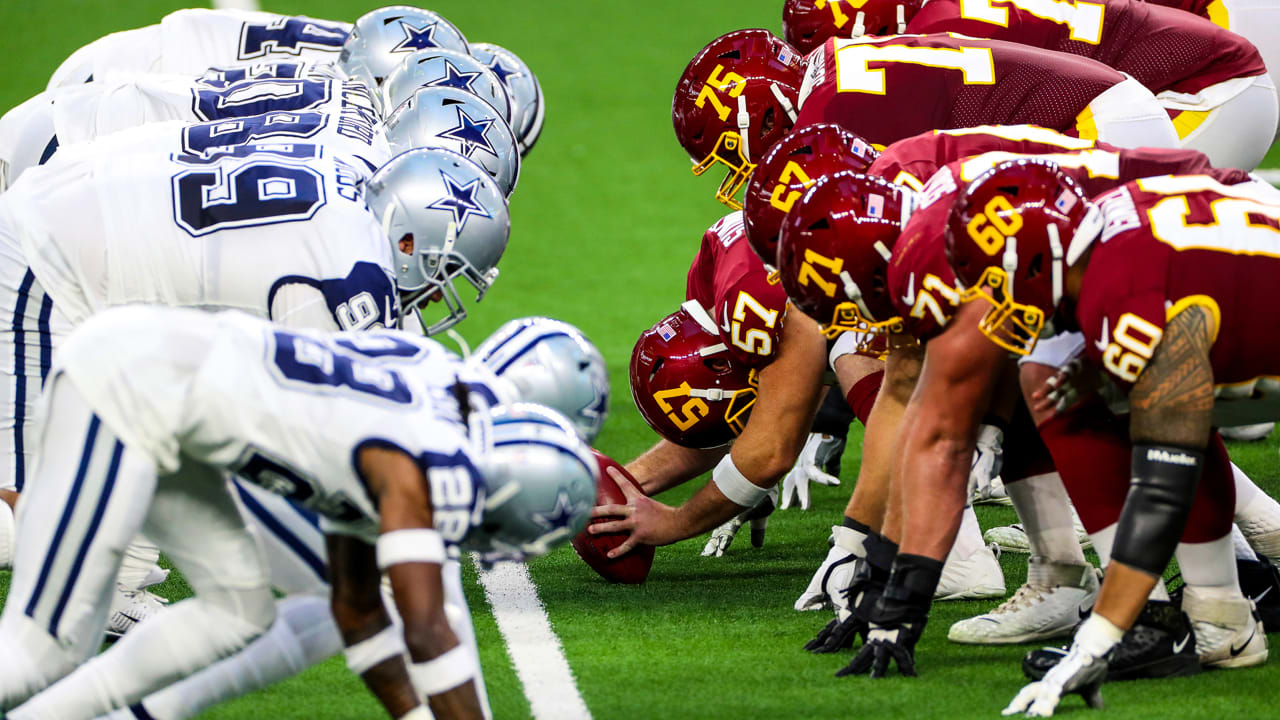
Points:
(992, 493)
(1229, 633)
(1052, 603)
(1247, 433)
(130, 607)
(1013, 538)
(8, 530)
(975, 577)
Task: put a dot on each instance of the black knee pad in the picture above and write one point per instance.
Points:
(1161, 491)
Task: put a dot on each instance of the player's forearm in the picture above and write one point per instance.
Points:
(933, 479)
(666, 465)
(706, 510)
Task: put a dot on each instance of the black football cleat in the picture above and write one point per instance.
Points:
(1159, 645)
(1260, 582)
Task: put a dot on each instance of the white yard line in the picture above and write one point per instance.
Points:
(533, 646)
(235, 5)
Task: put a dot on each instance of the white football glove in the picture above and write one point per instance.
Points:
(758, 516)
(834, 574)
(988, 459)
(806, 470)
(1082, 671)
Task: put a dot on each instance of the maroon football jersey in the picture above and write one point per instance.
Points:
(1162, 48)
(913, 161)
(890, 88)
(921, 282)
(1172, 241)
(1211, 10)
(730, 281)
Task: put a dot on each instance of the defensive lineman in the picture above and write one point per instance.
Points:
(147, 407)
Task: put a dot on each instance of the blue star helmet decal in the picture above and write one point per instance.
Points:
(561, 517)
(455, 78)
(416, 38)
(461, 201)
(502, 72)
(471, 134)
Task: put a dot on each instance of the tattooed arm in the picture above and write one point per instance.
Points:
(1172, 402)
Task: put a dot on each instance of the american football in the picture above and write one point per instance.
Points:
(630, 569)
(342, 342)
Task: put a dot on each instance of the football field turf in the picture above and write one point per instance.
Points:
(604, 223)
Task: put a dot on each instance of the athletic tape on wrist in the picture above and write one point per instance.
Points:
(1097, 635)
(445, 672)
(410, 546)
(735, 485)
(389, 642)
(419, 713)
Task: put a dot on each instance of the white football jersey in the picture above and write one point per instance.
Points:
(103, 224)
(188, 42)
(312, 107)
(286, 410)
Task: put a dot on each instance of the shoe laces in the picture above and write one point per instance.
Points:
(1025, 597)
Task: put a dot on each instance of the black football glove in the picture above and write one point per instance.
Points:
(853, 604)
(898, 619)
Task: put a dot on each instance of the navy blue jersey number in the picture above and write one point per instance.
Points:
(291, 36)
(294, 151)
(283, 480)
(275, 126)
(255, 97)
(256, 193)
(305, 360)
(220, 78)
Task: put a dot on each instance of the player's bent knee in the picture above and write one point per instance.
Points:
(1156, 510)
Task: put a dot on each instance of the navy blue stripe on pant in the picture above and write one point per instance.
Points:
(45, 337)
(286, 536)
(99, 510)
(86, 455)
(20, 379)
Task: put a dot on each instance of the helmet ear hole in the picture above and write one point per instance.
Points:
(731, 54)
(405, 243)
(1035, 267)
(822, 224)
(767, 122)
(717, 365)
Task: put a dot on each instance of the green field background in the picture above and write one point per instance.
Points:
(604, 224)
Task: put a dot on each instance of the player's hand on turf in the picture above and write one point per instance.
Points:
(988, 460)
(647, 521)
(1078, 672)
(796, 484)
(853, 592)
(894, 642)
(757, 516)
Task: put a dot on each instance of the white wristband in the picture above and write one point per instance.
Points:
(389, 642)
(735, 485)
(419, 713)
(445, 672)
(410, 546)
(1097, 635)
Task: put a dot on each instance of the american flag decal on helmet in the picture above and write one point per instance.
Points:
(1065, 201)
(666, 332)
(875, 206)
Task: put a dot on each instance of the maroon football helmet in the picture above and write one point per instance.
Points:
(686, 384)
(1014, 232)
(809, 23)
(789, 168)
(834, 250)
(736, 98)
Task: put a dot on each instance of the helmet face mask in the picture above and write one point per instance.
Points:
(834, 251)
(1010, 237)
(734, 100)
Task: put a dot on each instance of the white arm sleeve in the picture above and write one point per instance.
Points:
(302, 307)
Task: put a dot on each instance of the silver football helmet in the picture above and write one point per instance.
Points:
(551, 363)
(381, 39)
(444, 68)
(457, 120)
(540, 483)
(446, 219)
(528, 108)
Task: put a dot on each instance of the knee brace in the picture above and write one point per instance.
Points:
(1160, 496)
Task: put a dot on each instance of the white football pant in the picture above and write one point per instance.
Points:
(1128, 115)
(1233, 122)
(90, 497)
(1258, 21)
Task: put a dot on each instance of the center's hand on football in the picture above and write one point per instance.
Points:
(647, 521)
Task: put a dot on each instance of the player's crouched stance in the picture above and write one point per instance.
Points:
(147, 408)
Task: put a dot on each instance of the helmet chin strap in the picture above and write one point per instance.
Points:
(1055, 248)
(902, 19)
(783, 101)
(1010, 263)
(859, 26)
(854, 294)
(700, 316)
(1086, 232)
(744, 124)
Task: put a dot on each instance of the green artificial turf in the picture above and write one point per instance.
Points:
(604, 224)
